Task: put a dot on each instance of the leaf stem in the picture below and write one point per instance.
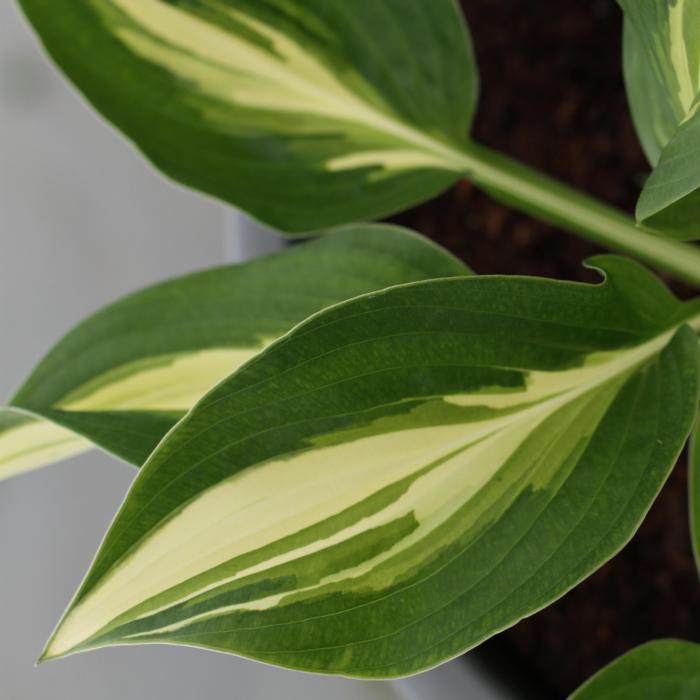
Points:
(550, 200)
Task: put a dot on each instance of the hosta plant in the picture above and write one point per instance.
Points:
(358, 456)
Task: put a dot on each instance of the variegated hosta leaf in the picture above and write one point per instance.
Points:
(667, 669)
(306, 113)
(662, 72)
(123, 377)
(402, 476)
(27, 442)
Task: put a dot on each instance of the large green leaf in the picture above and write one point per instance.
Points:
(666, 669)
(123, 377)
(306, 113)
(662, 71)
(402, 476)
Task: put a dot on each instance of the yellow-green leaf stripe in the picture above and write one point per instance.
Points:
(662, 72)
(122, 378)
(306, 113)
(402, 475)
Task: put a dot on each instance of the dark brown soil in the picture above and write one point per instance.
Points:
(553, 96)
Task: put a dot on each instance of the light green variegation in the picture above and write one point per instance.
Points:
(312, 113)
(667, 669)
(306, 113)
(402, 476)
(122, 378)
(28, 442)
(662, 71)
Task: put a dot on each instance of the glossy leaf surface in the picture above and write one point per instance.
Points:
(402, 476)
(667, 668)
(662, 71)
(123, 377)
(305, 113)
